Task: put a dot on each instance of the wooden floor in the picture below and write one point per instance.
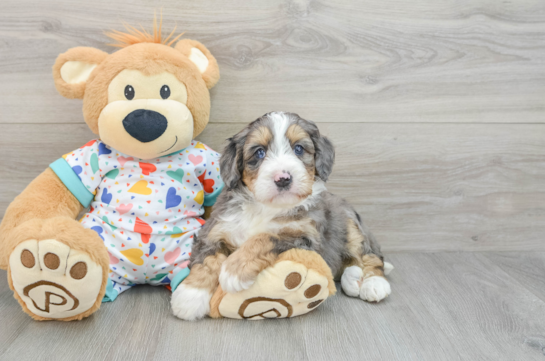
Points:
(444, 306)
(437, 111)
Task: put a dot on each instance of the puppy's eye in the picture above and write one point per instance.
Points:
(260, 153)
(129, 92)
(165, 91)
(299, 150)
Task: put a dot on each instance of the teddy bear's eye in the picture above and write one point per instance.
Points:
(165, 91)
(129, 92)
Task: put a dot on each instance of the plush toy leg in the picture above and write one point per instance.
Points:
(296, 284)
(61, 272)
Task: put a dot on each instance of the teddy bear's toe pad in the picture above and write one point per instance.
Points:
(54, 281)
(286, 289)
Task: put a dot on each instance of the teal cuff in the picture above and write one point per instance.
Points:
(210, 199)
(110, 294)
(71, 180)
(180, 276)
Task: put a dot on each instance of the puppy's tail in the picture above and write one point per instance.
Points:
(388, 267)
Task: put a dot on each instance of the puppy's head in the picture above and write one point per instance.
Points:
(277, 157)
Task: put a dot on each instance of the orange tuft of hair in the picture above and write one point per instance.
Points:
(135, 36)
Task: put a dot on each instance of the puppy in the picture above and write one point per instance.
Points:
(275, 200)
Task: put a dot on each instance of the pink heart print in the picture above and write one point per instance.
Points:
(171, 257)
(184, 264)
(124, 208)
(195, 159)
(123, 160)
(113, 260)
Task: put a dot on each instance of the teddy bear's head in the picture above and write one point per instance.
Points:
(146, 100)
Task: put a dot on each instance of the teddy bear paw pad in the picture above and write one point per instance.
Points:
(286, 289)
(53, 280)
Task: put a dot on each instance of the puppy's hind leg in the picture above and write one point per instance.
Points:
(374, 287)
(363, 275)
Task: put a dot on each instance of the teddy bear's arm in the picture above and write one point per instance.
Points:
(45, 197)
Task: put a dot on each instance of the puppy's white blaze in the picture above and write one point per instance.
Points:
(281, 124)
(189, 303)
(281, 158)
(375, 289)
(351, 280)
(231, 283)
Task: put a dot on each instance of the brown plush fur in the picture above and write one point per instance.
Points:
(149, 59)
(45, 197)
(309, 259)
(81, 53)
(71, 233)
(212, 73)
(46, 210)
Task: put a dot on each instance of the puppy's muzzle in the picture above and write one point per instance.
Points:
(283, 181)
(145, 125)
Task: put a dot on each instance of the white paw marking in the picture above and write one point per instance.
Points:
(189, 303)
(53, 280)
(375, 289)
(388, 267)
(231, 283)
(351, 281)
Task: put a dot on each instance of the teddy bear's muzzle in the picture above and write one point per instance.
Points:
(145, 125)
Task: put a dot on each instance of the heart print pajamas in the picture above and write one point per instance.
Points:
(147, 212)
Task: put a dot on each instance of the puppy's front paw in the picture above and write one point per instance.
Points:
(235, 282)
(375, 289)
(190, 303)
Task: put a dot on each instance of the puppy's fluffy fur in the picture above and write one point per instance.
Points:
(275, 199)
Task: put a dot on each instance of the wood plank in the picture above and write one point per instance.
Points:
(444, 306)
(420, 187)
(341, 61)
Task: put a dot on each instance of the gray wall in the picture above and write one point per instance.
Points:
(436, 107)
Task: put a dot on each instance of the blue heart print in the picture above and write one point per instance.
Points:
(106, 197)
(102, 149)
(98, 230)
(173, 200)
(152, 248)
(77, 169)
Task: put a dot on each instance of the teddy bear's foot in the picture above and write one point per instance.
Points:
(296, 284)
(54, 281)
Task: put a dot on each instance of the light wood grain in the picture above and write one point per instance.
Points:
(420, 187)
(334, 61)
(444, 306)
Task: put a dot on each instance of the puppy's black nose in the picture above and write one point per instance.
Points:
(282, 181)
(145, 125)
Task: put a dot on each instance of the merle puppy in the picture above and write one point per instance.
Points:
(275, 199)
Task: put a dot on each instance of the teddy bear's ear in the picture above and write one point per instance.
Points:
(73, 68)
(202, 58)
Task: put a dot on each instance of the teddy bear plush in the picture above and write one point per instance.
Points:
(145, 183)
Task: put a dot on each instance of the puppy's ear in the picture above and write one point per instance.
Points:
(73, 68)
(325, 157)
(202, 58)
(231, 163)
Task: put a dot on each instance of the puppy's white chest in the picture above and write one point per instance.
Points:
(251, 222)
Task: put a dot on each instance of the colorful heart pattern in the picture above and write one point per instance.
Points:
(147, 212)
(173, 200)
(141, 187)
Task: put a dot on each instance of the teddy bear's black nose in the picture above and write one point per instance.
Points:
(145, 125)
